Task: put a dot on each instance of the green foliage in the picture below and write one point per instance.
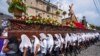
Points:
(98, 27)
(64, 13)
(16, 0)
(57, 12)
(29, 21)
(45, 21)
(17, 4)
(92, 26)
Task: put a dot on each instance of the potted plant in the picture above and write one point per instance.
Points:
(17, 7)
(64, 13)
(57, 12)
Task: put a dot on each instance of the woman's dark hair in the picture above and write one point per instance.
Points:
(54, 38)
(63, 36)
(69, 34)
(1, 30)
(13, 39)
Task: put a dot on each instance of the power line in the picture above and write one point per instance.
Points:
(96, 7)
(99, 1)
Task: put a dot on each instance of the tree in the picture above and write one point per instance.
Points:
(98, 27)
(92, 26)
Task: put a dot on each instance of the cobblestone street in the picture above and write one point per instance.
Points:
(94, 50)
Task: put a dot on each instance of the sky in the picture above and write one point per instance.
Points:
(81, 8)
(4, 7)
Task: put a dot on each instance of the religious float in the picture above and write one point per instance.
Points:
(18, 27)
(33, 25)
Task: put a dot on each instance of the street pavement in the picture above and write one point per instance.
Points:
(93, 50)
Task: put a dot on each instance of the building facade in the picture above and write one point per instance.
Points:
(42, 8)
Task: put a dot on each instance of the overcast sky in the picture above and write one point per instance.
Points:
(4, 7)
(81, 8)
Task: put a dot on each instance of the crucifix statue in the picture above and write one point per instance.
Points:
(71, 12)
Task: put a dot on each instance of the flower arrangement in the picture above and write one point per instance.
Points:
(44, 21)
(29, 20)
(70, 24)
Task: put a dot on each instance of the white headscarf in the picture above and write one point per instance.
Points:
(50, 41)
(58, 38)
(36, 42)
(43, 42)
(74, 37)
(25, 42)
(67, 38)
(42, 36)
(5, 33)
(61, 38)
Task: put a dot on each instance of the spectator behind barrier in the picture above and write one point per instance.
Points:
(11, 46)
(5, 33)
(1, 43)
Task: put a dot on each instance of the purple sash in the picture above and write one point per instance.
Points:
(1, 43)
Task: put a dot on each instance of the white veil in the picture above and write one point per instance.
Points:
(25, 42)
